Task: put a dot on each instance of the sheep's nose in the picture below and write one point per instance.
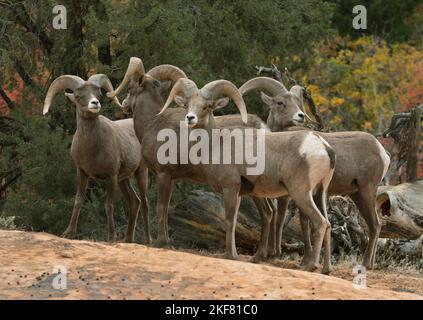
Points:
(189, 118)
(96, 102)
(301, 115)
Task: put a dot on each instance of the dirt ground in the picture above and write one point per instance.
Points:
(97, 270)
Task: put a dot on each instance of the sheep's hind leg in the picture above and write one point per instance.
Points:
(133, 202)
(164, 193)
(142, 179)
(232, 201)
(320, 200)
(266, 217)
(365, 201)
(111, 186)
(82, 178)
(306, 204)
(305, 227)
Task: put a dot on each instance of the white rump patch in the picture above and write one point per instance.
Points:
(313, 148)
(384, 157)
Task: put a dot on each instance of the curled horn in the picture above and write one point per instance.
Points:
(102, 81)
(218, 88)
(59, 84)
(184, 87)
(166, 72)
(273, 86)
(135, 71)
(298, 92)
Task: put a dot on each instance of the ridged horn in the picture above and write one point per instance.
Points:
(135, 71)
(102, 81)
(218, 88)
(167, 72)
(60, 84)
(184, 87)
(269, 84)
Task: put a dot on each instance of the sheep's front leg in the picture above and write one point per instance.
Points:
(82, 178)
(142, 177)
(111, 186)
(232, 201)
(133, 202)
(164, 193)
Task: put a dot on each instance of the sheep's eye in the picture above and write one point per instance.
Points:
(280, 103)
(205, 108)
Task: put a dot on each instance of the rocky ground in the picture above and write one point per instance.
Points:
(132, 271)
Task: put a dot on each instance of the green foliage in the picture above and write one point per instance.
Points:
(42, 200)
(387, 19)
(208, 39)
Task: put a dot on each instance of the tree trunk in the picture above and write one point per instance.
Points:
(414, 130)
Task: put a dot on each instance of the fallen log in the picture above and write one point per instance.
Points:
(400, 209)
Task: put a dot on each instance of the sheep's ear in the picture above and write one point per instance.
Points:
(164, 86)
(266, 99)
(180, 101)
(221, 103)
(70, 96)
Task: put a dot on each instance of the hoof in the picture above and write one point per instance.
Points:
(148, 241)
(305, 261)
(161, 243)
(327, 270)
(68, 234)
(257, 258)
(127, 240)
(230, 256)
(368, 266)
(112, 238)
(310, 267)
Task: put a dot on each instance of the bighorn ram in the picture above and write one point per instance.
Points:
(101, 149)
(361, 163)
(298, 164)
(145, 100)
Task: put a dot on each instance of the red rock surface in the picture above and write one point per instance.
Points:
(132, 271)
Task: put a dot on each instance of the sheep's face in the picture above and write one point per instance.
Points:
(87, 98)
(284, 111)
(199, 109)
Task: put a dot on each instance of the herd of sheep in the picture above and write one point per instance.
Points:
(304, 165)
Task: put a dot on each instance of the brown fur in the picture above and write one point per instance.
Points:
(285, 171)
(104, 150)
(359, 169)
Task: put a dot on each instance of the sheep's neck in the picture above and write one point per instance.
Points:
(85, 116)
(145, 110)
(210, 125)
(88, 124)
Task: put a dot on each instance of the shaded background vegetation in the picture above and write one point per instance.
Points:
(358, 78)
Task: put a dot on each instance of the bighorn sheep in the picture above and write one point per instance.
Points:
(145, 100)
(360, 166)
(296, 163)
(101, 149)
